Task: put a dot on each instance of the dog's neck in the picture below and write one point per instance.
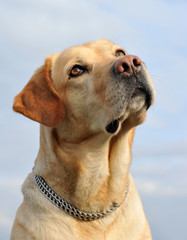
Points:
(91, 175)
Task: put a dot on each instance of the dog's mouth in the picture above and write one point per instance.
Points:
(113, 126)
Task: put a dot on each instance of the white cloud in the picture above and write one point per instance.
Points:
(44, 25)
(40, 26)
(5, 222)
(162, 176)
(11, 198)
(154, 121)
(158, 188)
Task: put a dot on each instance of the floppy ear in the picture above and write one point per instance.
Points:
(39, 100)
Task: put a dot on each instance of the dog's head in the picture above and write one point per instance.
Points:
(87, 89)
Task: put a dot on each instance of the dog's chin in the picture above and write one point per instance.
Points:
(134, 113)
(141, 97)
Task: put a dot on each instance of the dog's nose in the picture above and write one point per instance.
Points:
(127, 65)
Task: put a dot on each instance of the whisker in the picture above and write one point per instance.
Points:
(158, 78)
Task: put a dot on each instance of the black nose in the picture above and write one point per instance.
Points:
(127, 65)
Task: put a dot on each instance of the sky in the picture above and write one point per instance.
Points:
(154, 30)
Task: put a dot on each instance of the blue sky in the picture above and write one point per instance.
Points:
(154, 30)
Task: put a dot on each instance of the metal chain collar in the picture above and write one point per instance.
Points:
(68, 208)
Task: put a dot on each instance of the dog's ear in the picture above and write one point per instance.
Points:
(39, 100)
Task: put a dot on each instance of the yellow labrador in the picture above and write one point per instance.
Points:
(88, 99)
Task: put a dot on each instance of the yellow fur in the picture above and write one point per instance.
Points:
(86, 165)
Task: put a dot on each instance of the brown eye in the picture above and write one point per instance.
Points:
(76, 71)
(120, 53)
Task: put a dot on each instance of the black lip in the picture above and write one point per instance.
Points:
(113, 126)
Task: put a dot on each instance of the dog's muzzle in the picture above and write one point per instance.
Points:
(132, 80)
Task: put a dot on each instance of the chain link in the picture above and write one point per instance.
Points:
(68, 208)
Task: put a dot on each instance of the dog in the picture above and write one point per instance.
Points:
(88, 101)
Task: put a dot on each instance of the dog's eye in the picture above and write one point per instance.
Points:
(120, 53)
(76, 71)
